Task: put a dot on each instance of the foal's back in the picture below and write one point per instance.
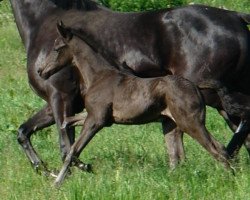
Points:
(135, 100)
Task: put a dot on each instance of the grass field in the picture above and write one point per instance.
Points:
(129, 161)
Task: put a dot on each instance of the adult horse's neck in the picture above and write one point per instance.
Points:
(27, 15)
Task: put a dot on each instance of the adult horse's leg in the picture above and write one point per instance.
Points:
(61, 109)
(231, 122)
(174, 142)
(247, 143)
(241, 130)
(40, 120)
(239, 138)
(236, 104)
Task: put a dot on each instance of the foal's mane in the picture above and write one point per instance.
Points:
(89, 5)
(96, 47)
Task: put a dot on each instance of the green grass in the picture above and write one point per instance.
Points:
(129, 161)
(238, 5)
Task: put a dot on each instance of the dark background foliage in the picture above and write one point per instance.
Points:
(139, 5)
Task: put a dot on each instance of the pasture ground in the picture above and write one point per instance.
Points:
(129, 161)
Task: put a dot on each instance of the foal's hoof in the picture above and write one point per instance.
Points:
(64, 124)
(41, 169)
(82, 166)
(49, 173)
(233, 170)
(85, 167)
(53, 173)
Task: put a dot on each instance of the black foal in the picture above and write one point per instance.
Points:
(111, 96)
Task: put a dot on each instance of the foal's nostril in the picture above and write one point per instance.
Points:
(43, 73)
(39, 71)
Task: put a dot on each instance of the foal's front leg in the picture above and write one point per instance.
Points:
(65, 100)
(90, 128)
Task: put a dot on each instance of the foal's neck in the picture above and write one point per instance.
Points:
(91, 64)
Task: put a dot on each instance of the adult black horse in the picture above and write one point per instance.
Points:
(217, 46)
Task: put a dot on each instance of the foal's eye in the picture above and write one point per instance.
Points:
(57, 49)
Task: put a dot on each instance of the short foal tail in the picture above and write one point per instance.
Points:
(245, 17)
(229, 100)
(210, 84)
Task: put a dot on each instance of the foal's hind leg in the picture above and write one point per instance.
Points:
(173, 141)
(217, 150)
(77, 120)
(41, 119)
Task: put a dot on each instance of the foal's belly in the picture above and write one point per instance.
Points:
(138, 112)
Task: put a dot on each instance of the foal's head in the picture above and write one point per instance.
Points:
(61, 54)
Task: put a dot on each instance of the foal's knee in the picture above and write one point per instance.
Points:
(22, 136)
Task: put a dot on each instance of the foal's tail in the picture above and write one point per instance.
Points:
(221, 89)
(245, 17)
(228, 100)
(211, 84)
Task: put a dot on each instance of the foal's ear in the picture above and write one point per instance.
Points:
(64, 31)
